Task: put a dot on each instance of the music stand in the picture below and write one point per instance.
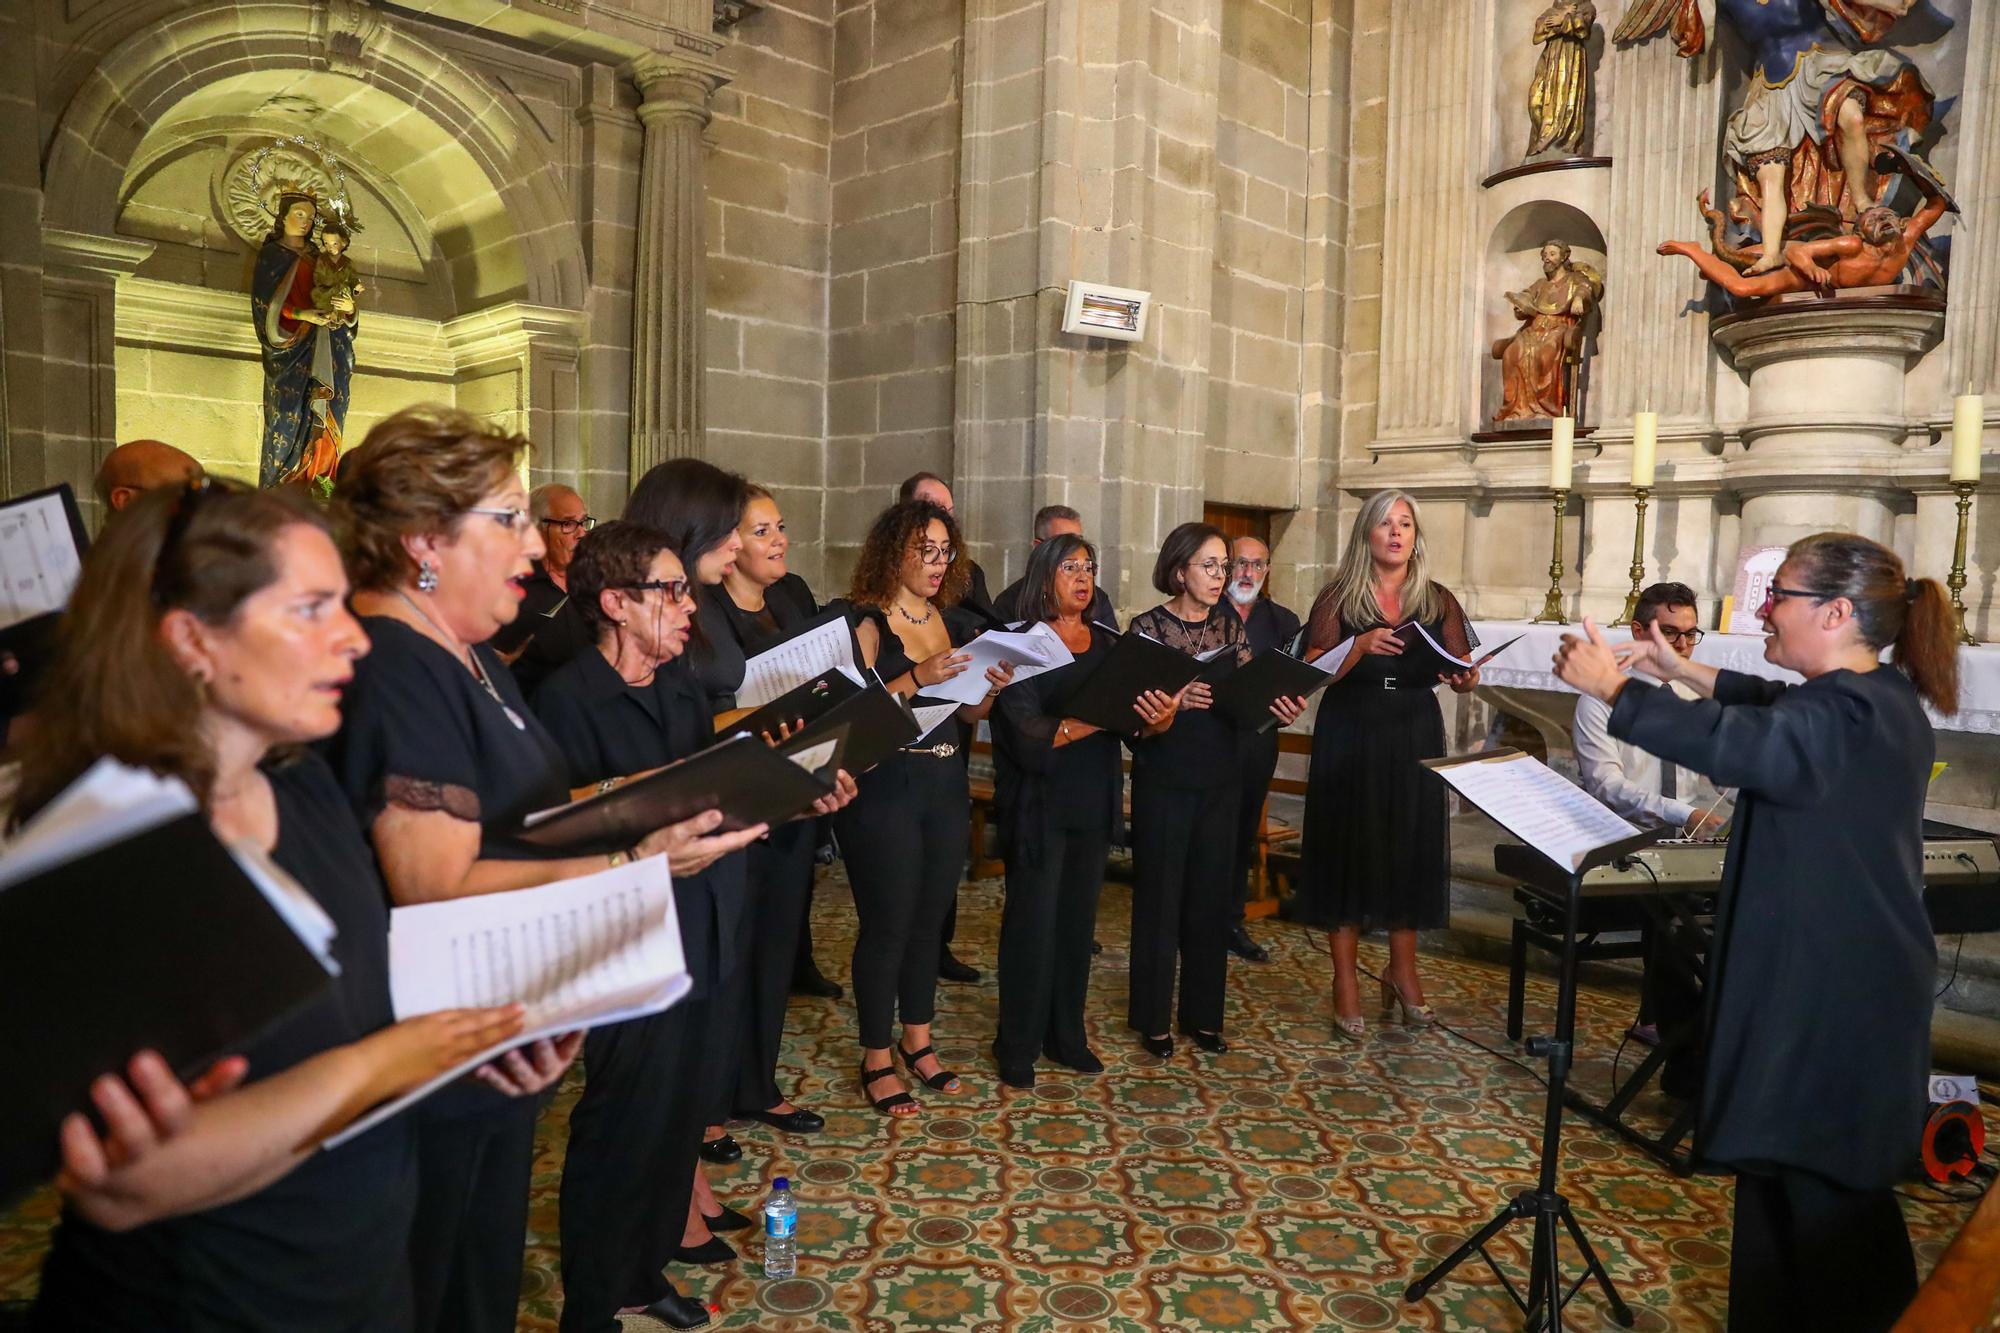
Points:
(1544, 1203)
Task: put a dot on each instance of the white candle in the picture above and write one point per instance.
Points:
(1562, 443)
(1968, 422)
(1645, 443)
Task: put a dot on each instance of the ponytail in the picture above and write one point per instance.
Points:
(1927, 648)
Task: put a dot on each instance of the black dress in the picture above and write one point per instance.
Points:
(1268, 626)
(324, 1248)
(550, 627)
(1184, 783)
(1820, 981)
(648, 1084)
(420, 731)
(904, 839)
(1377, 846)
(1058, 812)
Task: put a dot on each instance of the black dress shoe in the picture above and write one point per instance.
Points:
(796, 1121)
(1083, 1061)
(812, 981)
(1013, 1075)
(950, 969)
(722, 1151)
(728, 1220)
(1160, 1046)
(1244, 947)
(678, 1311)
(1211, 1042)
(715, 1250)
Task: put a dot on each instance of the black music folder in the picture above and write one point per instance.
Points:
(160, 938)
(745, 778)
(802, 703)
(42, 542)
(1134, 665)
(876, 724)
(1245, 698)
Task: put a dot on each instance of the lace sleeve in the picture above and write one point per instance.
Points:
(1456, 631)
(1239, 634)
(1323, 627)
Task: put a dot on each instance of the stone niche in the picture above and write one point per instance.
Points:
(1513, 261)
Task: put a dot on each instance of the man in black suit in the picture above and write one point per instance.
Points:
(1055, 521)
(1269, 626)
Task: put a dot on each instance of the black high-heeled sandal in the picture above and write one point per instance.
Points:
(886, 1105)
(942, 1081)
(1163, 1047)
(1211, 1042)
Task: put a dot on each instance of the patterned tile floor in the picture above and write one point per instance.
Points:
(1294, 1183)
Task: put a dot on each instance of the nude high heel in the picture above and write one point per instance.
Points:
(1414, 1015)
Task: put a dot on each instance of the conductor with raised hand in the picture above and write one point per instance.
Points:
(1820, 974)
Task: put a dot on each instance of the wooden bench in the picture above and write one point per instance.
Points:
(1271, 875)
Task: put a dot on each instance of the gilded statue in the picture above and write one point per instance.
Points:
(1559, 97)
(1824, 100)
(1535, 363)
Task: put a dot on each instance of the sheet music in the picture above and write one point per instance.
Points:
(1032, 652)
(1330, 661)
(580, 953)
(1437, 647)
(814, 757)
(1537, 805)
(930, 717)
(39, 562)
(825, 647)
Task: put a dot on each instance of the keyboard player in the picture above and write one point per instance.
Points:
(1653, 794)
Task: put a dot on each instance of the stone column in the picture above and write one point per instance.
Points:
(1972, 330)
(80, 324)
(669, 296)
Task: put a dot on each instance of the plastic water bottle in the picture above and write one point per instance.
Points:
(781, 1220)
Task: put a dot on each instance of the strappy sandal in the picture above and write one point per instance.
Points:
(886, 1105)
(942, 1081)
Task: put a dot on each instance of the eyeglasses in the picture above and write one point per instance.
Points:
(675, 589)
(932, 554)
(570, 526)
(510, 519)
(1076, 567)
(1253, 566)
(1215, 569)
(1686, 636)
(1777, 594)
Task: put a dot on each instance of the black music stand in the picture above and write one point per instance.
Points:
(1545, 1204)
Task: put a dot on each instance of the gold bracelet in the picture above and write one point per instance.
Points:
(618, 859)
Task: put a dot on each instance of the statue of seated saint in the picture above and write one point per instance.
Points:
(1535, 362)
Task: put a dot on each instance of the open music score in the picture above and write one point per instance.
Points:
(827, 646)
(1534, 803)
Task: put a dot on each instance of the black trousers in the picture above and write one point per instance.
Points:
(1260, 764)
(627, 1166)
(780, 882)
(1810, 1253)
(1045, 931)
(904, 840)
(1183, 849)
(471, 1229)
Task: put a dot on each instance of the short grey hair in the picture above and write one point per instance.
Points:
(1049, 515)
(543, 498)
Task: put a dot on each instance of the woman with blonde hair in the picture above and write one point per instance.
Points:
(1377, 834)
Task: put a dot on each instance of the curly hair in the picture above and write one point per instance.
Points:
(893, 536)
(416, 473)
(617, 554)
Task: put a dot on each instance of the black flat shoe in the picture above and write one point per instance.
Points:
(1084, 1061)
(721, 1151)
(1246, 948)
(815, 983)
(678, 1311)
(798, 1121)
(1160, 1046)
(950, 969)
(728, 1220)
(715, 1250)
(1211, 1042)
(1014, 1076)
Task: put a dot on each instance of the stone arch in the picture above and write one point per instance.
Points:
(1512, 260)
(143, 78)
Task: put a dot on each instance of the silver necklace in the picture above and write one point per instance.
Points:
(928, 615)
(471, 660)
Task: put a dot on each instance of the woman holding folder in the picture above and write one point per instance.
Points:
(904, 838)
(207, 637)
(1377, 835)
(1058, 791)
(631, 1181)
(441, 758)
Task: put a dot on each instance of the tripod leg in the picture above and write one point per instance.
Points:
(1417, 1290)
(1620, 1314)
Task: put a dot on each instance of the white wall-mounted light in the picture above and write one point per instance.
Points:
(1098, 311)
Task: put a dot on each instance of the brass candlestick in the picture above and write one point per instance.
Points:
(1957, 580)
(1638, 570)
(1552, 605)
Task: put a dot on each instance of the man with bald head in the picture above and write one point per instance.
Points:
(138, 466)
(548, 631)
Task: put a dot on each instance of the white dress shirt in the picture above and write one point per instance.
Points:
(1628, 779)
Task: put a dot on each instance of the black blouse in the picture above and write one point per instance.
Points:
(419, 729)
(323, 1248)
(1200, 750)
(548, 631)
(1038, 786)
(892, 659)
(608, 729)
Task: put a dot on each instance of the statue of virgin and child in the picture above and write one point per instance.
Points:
(302, 299)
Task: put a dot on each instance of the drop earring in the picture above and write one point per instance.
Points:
(427, 577)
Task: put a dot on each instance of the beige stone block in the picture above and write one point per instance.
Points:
(783, 464)
(763, 291)
(734, 178)
(1248, 95)
(806, 196)
(1364, 270)
(1369, 130)
(911, 139)
(796, 35)
(1191, 166)
(721, 343)
(889, 92)
(922, 287)
(919, 400)
(1012, 102)
(905, 28)
(1267, 38)
(936, 340)
(773, 349)
(895, 189)
(1363, 328)
(887, 459)
(850, 407)
(1012, 152)
(1015, 43)
(1260, 252)
(880, 241)
(1261, 156)
(847, 300)
(1013, 265)
(811, 124)
(1269, 204)
(1240, 303)
(767, 145)
(1006, 387)
(848, 157)
(872, 349)
(1268, 363)
(774, 76)
(767, 238)
(854, 42)
(766, 404)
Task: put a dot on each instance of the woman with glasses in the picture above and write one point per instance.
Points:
(628, 705)
(207, 641)
(548, 631)
(904, 837)
(1184, 780)
(441, 759)
(1821, 970)
(1377, 831)
(1057, 795)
